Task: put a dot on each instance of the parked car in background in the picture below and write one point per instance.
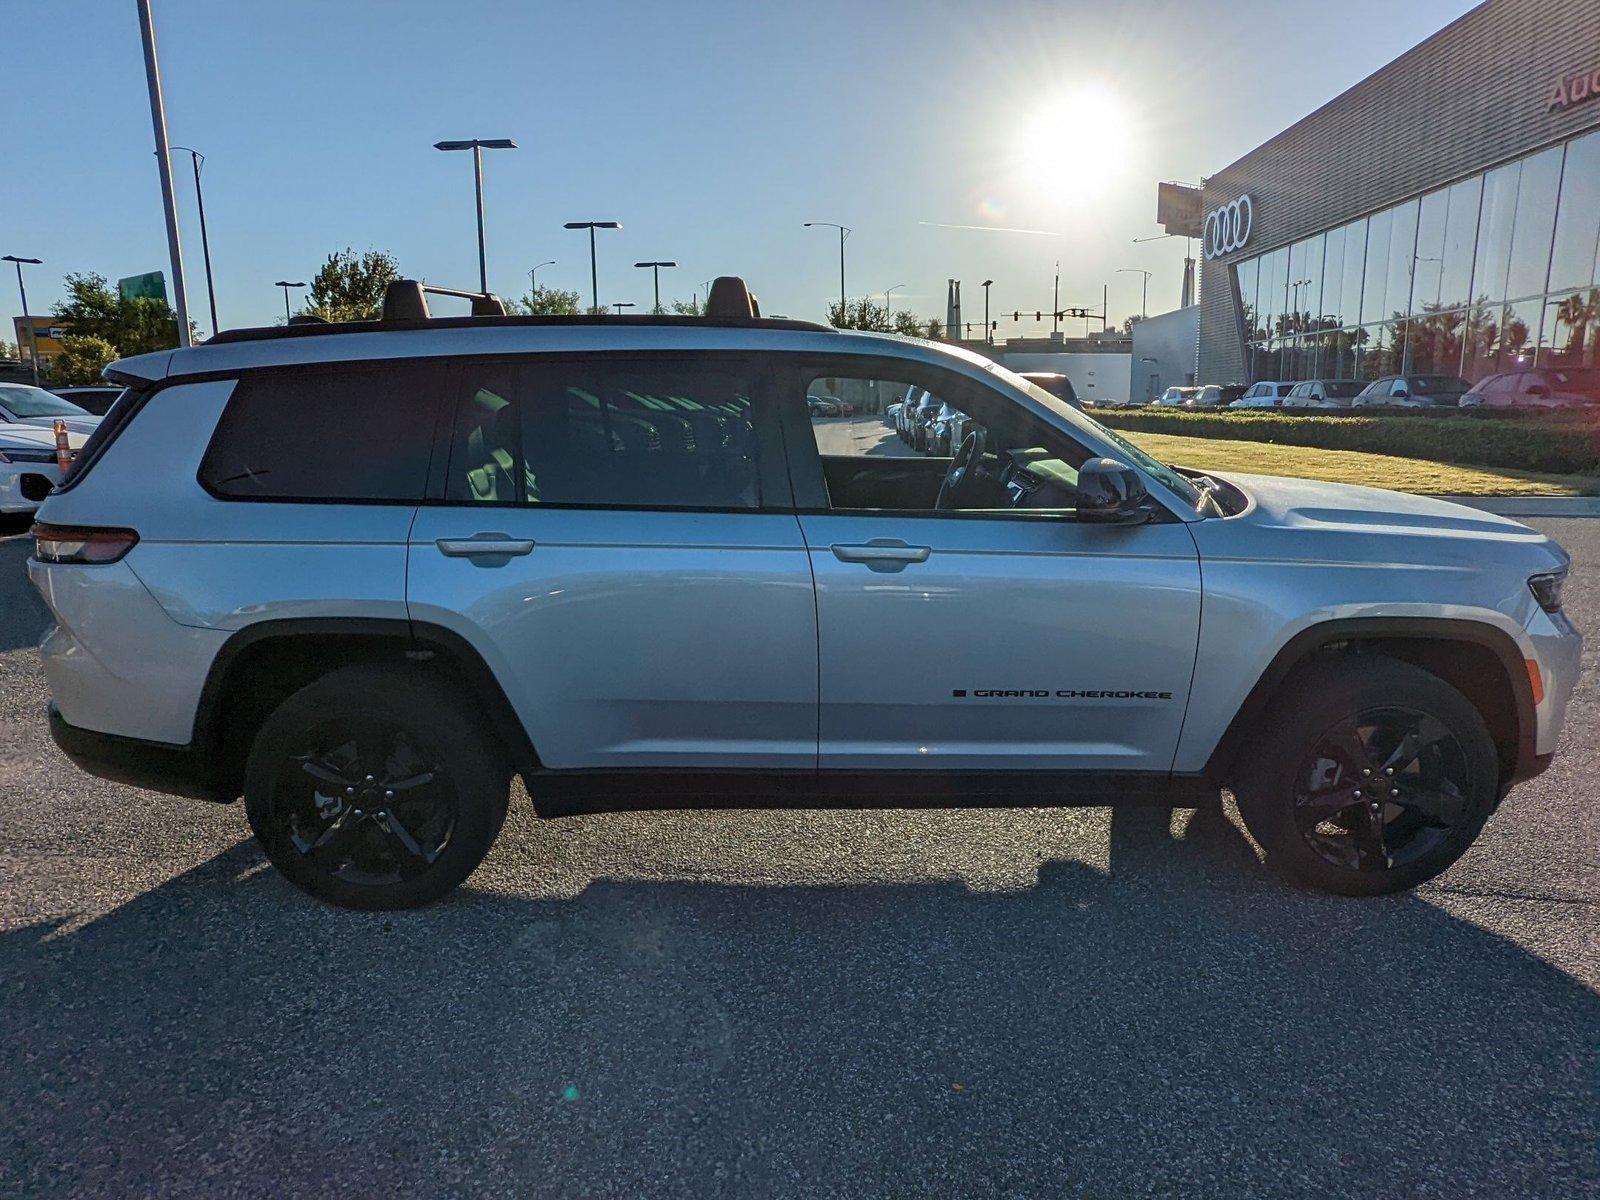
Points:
(1214, 395)
(24, 404)
(1267, 394)
(941, 430)
(95, 400)
(1544, 387)
(28, 467)
(1174, 397)
(921, 418)
(1412, 391)
(1323, 393)
(1057, 384)
(905, 419)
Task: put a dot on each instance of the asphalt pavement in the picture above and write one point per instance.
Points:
(1002, 1003)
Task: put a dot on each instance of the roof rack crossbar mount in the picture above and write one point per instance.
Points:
(407, 299)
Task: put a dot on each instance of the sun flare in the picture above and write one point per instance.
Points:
(1076, 141)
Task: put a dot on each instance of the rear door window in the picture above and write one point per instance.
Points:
(632, 432)
(348, 433)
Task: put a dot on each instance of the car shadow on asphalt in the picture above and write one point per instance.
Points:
(1180, 1023)
(26, 615)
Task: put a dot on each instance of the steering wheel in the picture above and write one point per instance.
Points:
(963, 469)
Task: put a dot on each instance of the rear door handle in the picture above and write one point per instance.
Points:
(497, 545)
(882, 554)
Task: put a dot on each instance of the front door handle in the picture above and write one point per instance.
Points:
(480, 545)
(882, 554)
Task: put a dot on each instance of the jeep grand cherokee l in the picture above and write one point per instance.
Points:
(362, 574)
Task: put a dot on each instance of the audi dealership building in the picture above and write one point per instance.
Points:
(1442, 216)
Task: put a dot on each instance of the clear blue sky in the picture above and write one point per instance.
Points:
(711, 130)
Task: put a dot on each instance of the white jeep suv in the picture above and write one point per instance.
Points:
(363, 574)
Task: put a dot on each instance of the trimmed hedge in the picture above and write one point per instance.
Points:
(1564, 444)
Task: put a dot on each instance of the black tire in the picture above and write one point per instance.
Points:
(1332, 731)
(374, 728)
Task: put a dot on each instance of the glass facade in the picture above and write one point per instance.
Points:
(1494, 272)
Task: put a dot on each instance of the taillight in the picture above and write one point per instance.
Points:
(75, 544)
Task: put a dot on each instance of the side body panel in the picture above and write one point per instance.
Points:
(630, 639)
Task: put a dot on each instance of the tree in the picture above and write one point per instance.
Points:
(1127, 325)
(130, 326)
(934, 330)
(9, 349)
(350, 287)
(81, 360)
(545, 302)
(859, 314)
(908, 323)
(687, 308)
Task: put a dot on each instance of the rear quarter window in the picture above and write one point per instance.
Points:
(347, 434)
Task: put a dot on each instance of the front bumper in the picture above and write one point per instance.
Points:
(155, 766)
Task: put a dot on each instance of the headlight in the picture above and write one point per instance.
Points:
(1547, 590)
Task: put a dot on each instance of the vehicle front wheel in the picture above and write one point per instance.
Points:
(1370, 776)
(373, 787)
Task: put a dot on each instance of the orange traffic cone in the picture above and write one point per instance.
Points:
(63, 450)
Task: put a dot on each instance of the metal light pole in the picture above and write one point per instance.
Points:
(844, 232)
(655, 270)
(594, 274)
(619, 305)
(478, 146)
(887, 292)
(198, 159)
(1144, 302)
(27, 319)
(158, 118)
(286, 285)
(987, 336)
(533, 274)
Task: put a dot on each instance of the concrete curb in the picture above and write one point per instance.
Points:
(1531, 506)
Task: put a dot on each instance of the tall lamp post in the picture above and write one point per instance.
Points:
(887, 292)
(478, 146)
(286, 285)
(987, 335)
(27, 319)
(169, 201)
(844, 232)
(533, 273)
(1144, 296)
(198, 160)
(619, 305)
(655, 270)
(594, 273)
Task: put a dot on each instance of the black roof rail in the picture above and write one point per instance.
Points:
(407, 300)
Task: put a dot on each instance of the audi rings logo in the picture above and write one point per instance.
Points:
(1228, 228)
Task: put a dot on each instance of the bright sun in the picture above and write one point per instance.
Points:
(1076, 141)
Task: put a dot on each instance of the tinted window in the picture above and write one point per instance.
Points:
(360, 433)
(664, 433)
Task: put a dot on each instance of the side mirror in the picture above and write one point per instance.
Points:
(1402, 394)
(1537, 389)
(1111, 493)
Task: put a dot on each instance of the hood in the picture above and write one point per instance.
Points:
(1307, 520)
(31, 437)
(85, 424)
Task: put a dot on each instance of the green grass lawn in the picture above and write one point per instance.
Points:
(1350, 466)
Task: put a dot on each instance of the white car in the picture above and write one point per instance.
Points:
(1268, 394)
(23, 404)
(1174, 397)
(1323, 393)
(28, 467)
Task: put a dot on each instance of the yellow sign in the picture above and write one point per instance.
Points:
(48, 330)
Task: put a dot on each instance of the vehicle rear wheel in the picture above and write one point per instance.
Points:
(1370, 776)
(373, 788)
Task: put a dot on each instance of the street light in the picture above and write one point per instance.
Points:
(886, 294)
(655, 270)
(844, 232)
(198, 160)
(478, 146)
(619, 305)
(286, 285)
(1144, 300)
(594, 275)
(27, 321)
(987, 335)
(533, 274)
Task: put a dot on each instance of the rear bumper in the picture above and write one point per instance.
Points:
(155, 766)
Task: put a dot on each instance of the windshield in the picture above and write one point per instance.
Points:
(1437, 383)
(1342, 389)
(20, 400)
(1079, 419)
